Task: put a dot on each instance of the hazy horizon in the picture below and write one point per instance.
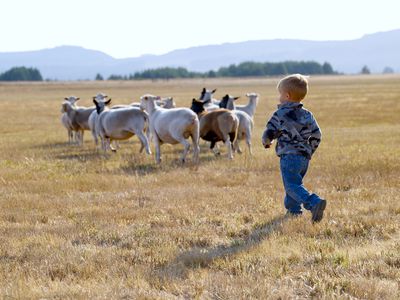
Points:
(124, 29)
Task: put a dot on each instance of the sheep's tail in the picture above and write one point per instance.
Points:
(193, 120)
(235, 127)
(146, 116)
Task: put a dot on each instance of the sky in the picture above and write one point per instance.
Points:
(123, 28)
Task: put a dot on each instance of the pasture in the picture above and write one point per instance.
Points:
(77, 223)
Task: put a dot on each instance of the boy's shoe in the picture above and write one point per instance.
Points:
(318, 211)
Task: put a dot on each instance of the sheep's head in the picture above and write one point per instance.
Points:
(72, 99)
(100, 97)
(227, 102)
(198, 106)
(101, 104)
(253, 96)
(66, 106)
(206, 95)
(146, 99)
(168, 102)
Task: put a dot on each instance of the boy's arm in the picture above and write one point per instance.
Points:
(271, 131)
(316, 135)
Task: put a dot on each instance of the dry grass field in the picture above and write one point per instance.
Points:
(77, 223)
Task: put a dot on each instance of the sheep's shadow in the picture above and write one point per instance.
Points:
(203, 257)
(83, 157)
(55, 145)
(135, 163)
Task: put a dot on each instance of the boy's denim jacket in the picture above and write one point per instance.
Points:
(295, 128)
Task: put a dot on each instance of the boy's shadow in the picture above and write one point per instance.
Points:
(203, 257)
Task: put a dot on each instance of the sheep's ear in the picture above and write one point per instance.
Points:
(78, 99)
(226, 97)
(213, 91)
(235, 98)
(204, 90)
(95, 101)
(107, 102)
(66, 99)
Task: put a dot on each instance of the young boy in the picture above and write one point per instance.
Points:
(298, 137)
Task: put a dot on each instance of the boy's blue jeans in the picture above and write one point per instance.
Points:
(293, 169)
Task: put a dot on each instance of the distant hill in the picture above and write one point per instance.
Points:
(377, 51)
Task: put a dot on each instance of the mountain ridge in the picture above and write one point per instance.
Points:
(66, 62)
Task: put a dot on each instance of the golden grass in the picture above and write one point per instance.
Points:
(76, 223)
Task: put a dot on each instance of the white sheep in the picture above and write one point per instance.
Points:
(210, 103)
(250, 107)
(121, 124)
(66, 121)
(78, 117)
(172, 126)
(102, 105)
(167, 102)
(245, 122)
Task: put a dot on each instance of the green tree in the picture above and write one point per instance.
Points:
(327, 68)
(21, 74)
(388, 70)
(99, 77)
(244, 69)
(365, 70)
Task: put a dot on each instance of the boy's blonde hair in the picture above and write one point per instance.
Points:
(296, 85)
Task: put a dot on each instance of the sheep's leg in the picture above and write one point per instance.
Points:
(148, 133)
(157, 143)
(237, 146)
(228, 145)
(110, 141)
(215, 148)
(70, 136)
(76, 136)
(195, 141)
(248, 142)
(247, 136)
(114, 145)
(81, 137)
(105, 144)
(158, 150)
(96, 140)
(144, 141)
(186, 146)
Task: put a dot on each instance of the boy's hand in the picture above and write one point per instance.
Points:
(266, 143)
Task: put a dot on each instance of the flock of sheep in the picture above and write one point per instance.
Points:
(160, 121)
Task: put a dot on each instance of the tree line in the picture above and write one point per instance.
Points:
(21, 74)
(245, 69)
